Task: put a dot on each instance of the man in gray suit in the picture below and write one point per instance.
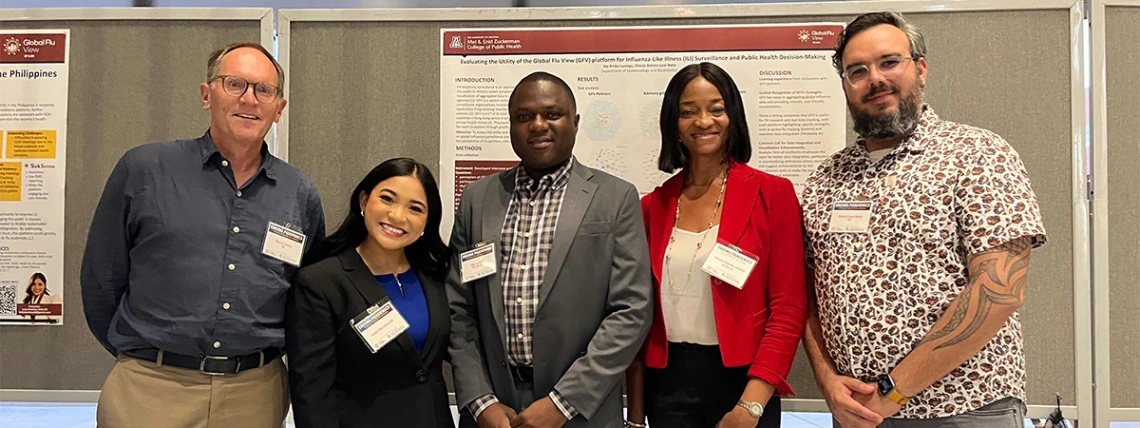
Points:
(550, 284)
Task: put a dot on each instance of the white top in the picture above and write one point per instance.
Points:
(688, 307)
(878, 155)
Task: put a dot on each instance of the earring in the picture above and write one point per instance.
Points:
(362, 213)
(421, 234)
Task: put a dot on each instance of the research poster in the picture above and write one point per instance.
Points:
(33, 155)
(793, 98)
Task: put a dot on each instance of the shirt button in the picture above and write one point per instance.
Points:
(225, 162)
(239, 193)
(237, 229)
(232, 267)
(520, 337)
(519, 300)
(226, 305)
(526, 234)
(217, 344)
(523, 267)
(533, 203)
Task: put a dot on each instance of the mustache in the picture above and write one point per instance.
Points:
(877, 90)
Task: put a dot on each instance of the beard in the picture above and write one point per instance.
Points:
(889, 125)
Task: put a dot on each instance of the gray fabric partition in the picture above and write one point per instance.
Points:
(1122, 85)
(356, 104)
(132, 82)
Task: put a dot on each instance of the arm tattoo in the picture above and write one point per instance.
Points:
(997, 277)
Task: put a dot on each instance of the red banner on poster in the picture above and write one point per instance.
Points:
(641, 40)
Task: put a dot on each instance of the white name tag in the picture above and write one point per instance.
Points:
(283, 243)
(478, 263)
(730, 264)
(379, 325)
(850, 217)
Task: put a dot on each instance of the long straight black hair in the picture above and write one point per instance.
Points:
(428, 255)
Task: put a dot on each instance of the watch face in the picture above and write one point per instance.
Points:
(886, 386)
(754, 409)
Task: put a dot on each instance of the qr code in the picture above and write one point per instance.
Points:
(7, 299)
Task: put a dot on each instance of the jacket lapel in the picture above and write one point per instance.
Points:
(496, 202)
(372, 292)
(575, 202)
(437, 315)
(740, 195)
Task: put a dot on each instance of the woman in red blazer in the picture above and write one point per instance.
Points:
(717, 355)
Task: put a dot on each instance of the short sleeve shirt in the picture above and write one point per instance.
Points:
(946, 192)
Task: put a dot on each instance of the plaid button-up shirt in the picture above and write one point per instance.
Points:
(526, 241)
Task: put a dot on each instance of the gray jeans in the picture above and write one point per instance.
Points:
(1004, 413)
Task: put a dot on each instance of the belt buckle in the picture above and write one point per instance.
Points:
(202, 365)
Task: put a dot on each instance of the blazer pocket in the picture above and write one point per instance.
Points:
(595, 228)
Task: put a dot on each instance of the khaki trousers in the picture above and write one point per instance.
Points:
(139, 393)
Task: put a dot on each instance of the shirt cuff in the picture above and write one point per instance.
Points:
(563, 406)
(480, 404)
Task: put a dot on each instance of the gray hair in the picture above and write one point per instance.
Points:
(868, 20)
(215, 62)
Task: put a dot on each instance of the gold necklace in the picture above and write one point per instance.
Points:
(673, 236)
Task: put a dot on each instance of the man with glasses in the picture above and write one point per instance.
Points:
(190, 253)
(917, 240)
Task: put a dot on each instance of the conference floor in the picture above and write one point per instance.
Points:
(82, 415)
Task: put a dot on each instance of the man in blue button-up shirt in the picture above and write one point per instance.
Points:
(190, 253)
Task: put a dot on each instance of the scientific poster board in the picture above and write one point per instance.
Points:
(385, 103)
(33, 166)
(1120, 215)
(134, 76)
(793, 99)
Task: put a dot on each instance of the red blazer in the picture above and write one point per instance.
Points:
(760, 324)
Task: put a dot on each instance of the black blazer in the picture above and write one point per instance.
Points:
(334, 380)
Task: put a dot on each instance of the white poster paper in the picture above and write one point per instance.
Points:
(33, 155)
(793, 98)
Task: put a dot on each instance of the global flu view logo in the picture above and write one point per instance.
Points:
(12, 46)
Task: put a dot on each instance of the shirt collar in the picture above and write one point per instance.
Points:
(553, 180)
(209, 151)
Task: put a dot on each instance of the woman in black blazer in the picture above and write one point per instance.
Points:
(386, 254)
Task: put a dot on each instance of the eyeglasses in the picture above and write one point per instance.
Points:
(237, 86)
(888, 67)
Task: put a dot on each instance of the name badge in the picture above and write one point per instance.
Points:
(378, 325)
(850, 217)
(478, 263)
(730, 264)
(283, 243)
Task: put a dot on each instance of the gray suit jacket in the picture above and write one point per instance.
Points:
(594, 308)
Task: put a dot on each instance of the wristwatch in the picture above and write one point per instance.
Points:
(887, 388)
(755, 409)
